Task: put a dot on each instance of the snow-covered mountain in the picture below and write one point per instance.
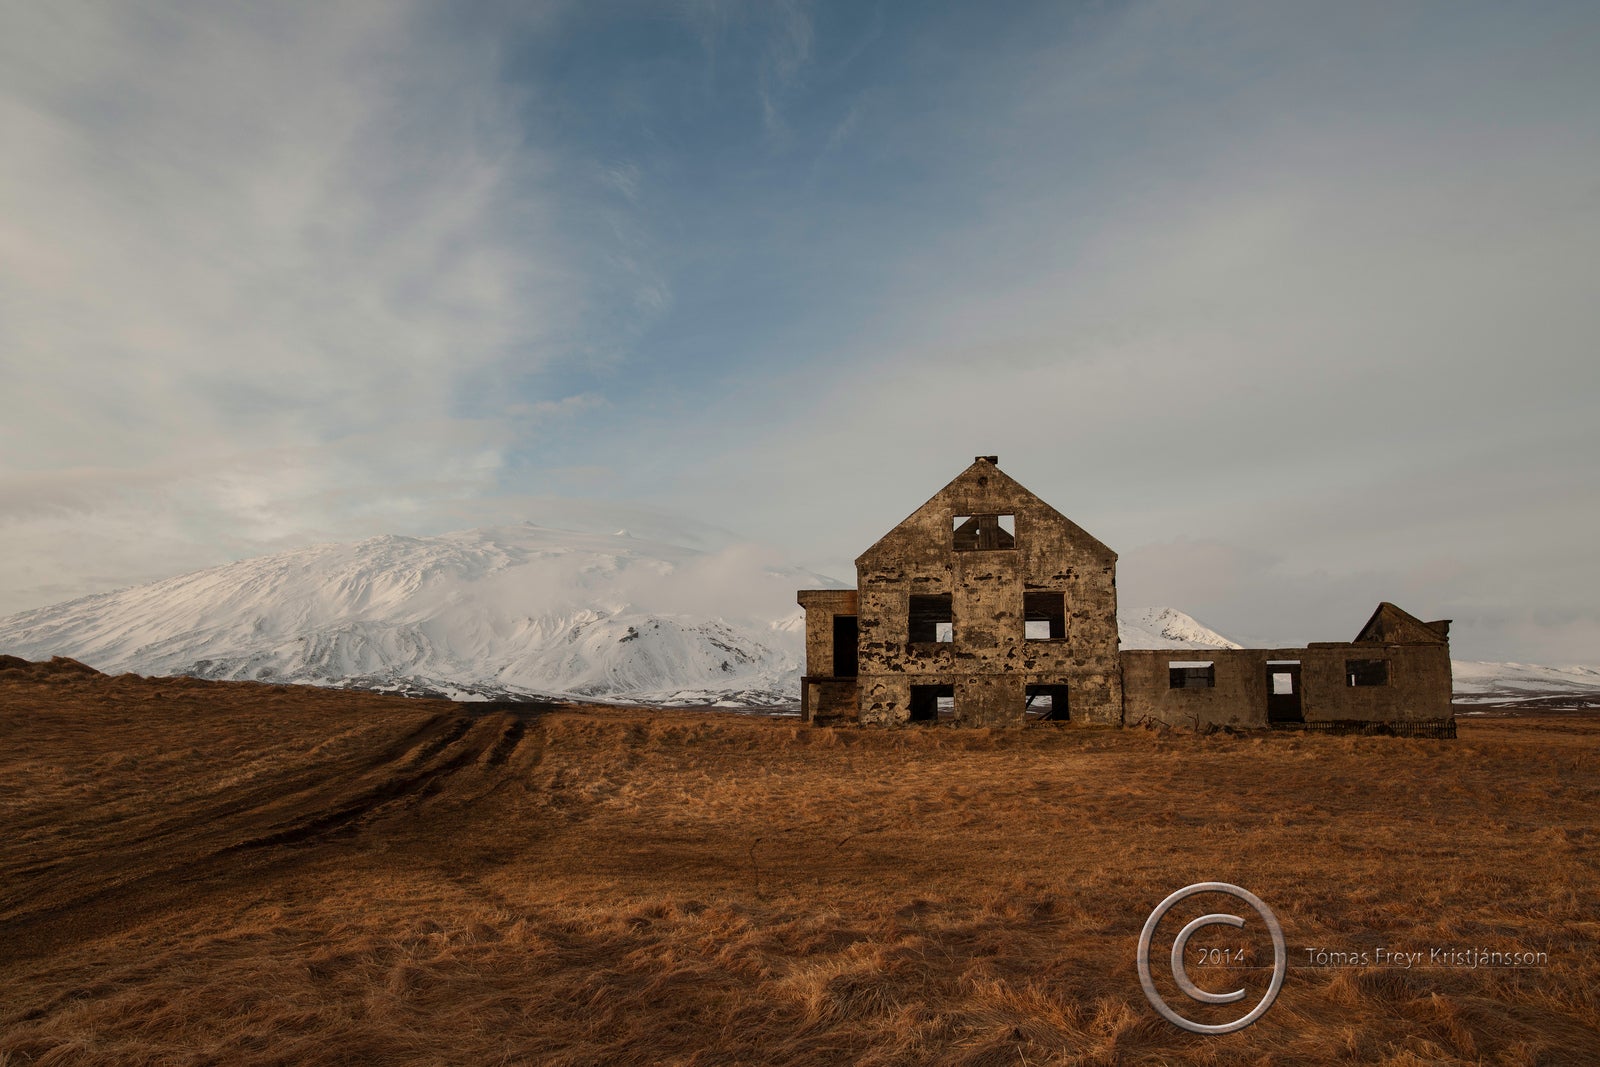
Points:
(514, 611)
(511, 611)
(1166, 628)
(685, 616)
(1524, 685)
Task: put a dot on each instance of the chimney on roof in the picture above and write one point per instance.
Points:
(987, 459)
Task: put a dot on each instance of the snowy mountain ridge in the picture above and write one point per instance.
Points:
(532, 611)
(505, 612)
(1166, 628)
(1525, 685)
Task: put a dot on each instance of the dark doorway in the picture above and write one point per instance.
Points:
(845, 631)
(1046, 703)
(930, 703)
(1283, 692)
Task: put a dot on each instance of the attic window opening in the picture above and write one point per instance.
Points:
(1044, 616)
(930, 618)
(1197, 675)
(975, 533)
(1365, 672)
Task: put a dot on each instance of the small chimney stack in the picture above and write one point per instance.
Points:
(987, 459)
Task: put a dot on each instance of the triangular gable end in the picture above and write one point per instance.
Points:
(1390, 625)
(1001, 484)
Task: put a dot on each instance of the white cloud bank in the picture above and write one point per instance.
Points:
(251, 259)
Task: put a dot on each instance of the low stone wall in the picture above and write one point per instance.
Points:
(1416, 686)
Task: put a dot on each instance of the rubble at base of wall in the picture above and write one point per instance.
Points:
(1439, 729)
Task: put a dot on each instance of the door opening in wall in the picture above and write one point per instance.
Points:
(846, 631)
(1283, 691)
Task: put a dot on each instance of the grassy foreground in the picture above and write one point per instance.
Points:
(197, 873)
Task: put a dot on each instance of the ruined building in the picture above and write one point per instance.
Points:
(987, 606)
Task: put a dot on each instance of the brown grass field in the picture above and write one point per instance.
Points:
(236, 873)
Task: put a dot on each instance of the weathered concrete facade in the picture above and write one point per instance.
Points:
(987, 606)
(983, 597)
(1397, 670)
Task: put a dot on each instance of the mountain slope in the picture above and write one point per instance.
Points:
(527, 610)
(1166, 628)
(510, 611)
(1525, 685)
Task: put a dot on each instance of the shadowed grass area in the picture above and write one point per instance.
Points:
(203, 872)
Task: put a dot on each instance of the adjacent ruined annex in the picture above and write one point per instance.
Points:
(989, 607)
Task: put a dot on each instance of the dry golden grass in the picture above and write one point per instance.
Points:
(197, 873)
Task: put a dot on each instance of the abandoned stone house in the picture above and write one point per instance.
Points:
(987, 606)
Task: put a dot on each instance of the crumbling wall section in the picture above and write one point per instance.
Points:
(988, 658)
(824, 697)
(1237, 698)
(1416, 686)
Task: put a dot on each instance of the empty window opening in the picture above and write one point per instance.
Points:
(1366, 671)
(930, 618)
(1044, 616)
(846, 630)
(1282, 683)
(933, 703)
(973, 533)
(1195, 675)
(1046, 703)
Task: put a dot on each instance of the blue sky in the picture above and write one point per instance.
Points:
(1291, 304)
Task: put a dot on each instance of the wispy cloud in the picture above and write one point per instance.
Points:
(262, 250)
(1305, 285)
(788, 52)
(1310, 293)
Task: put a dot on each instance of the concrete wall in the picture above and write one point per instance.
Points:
(1239, 697)
(824, 698)
(828, 700)
(1418, 688)
(989, 661)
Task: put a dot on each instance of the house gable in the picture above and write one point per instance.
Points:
(928, 535)
(1391, 626)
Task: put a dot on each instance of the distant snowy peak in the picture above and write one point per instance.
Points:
(1151, 628)
(516, 610)
(643, 612)
(1524, 684)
